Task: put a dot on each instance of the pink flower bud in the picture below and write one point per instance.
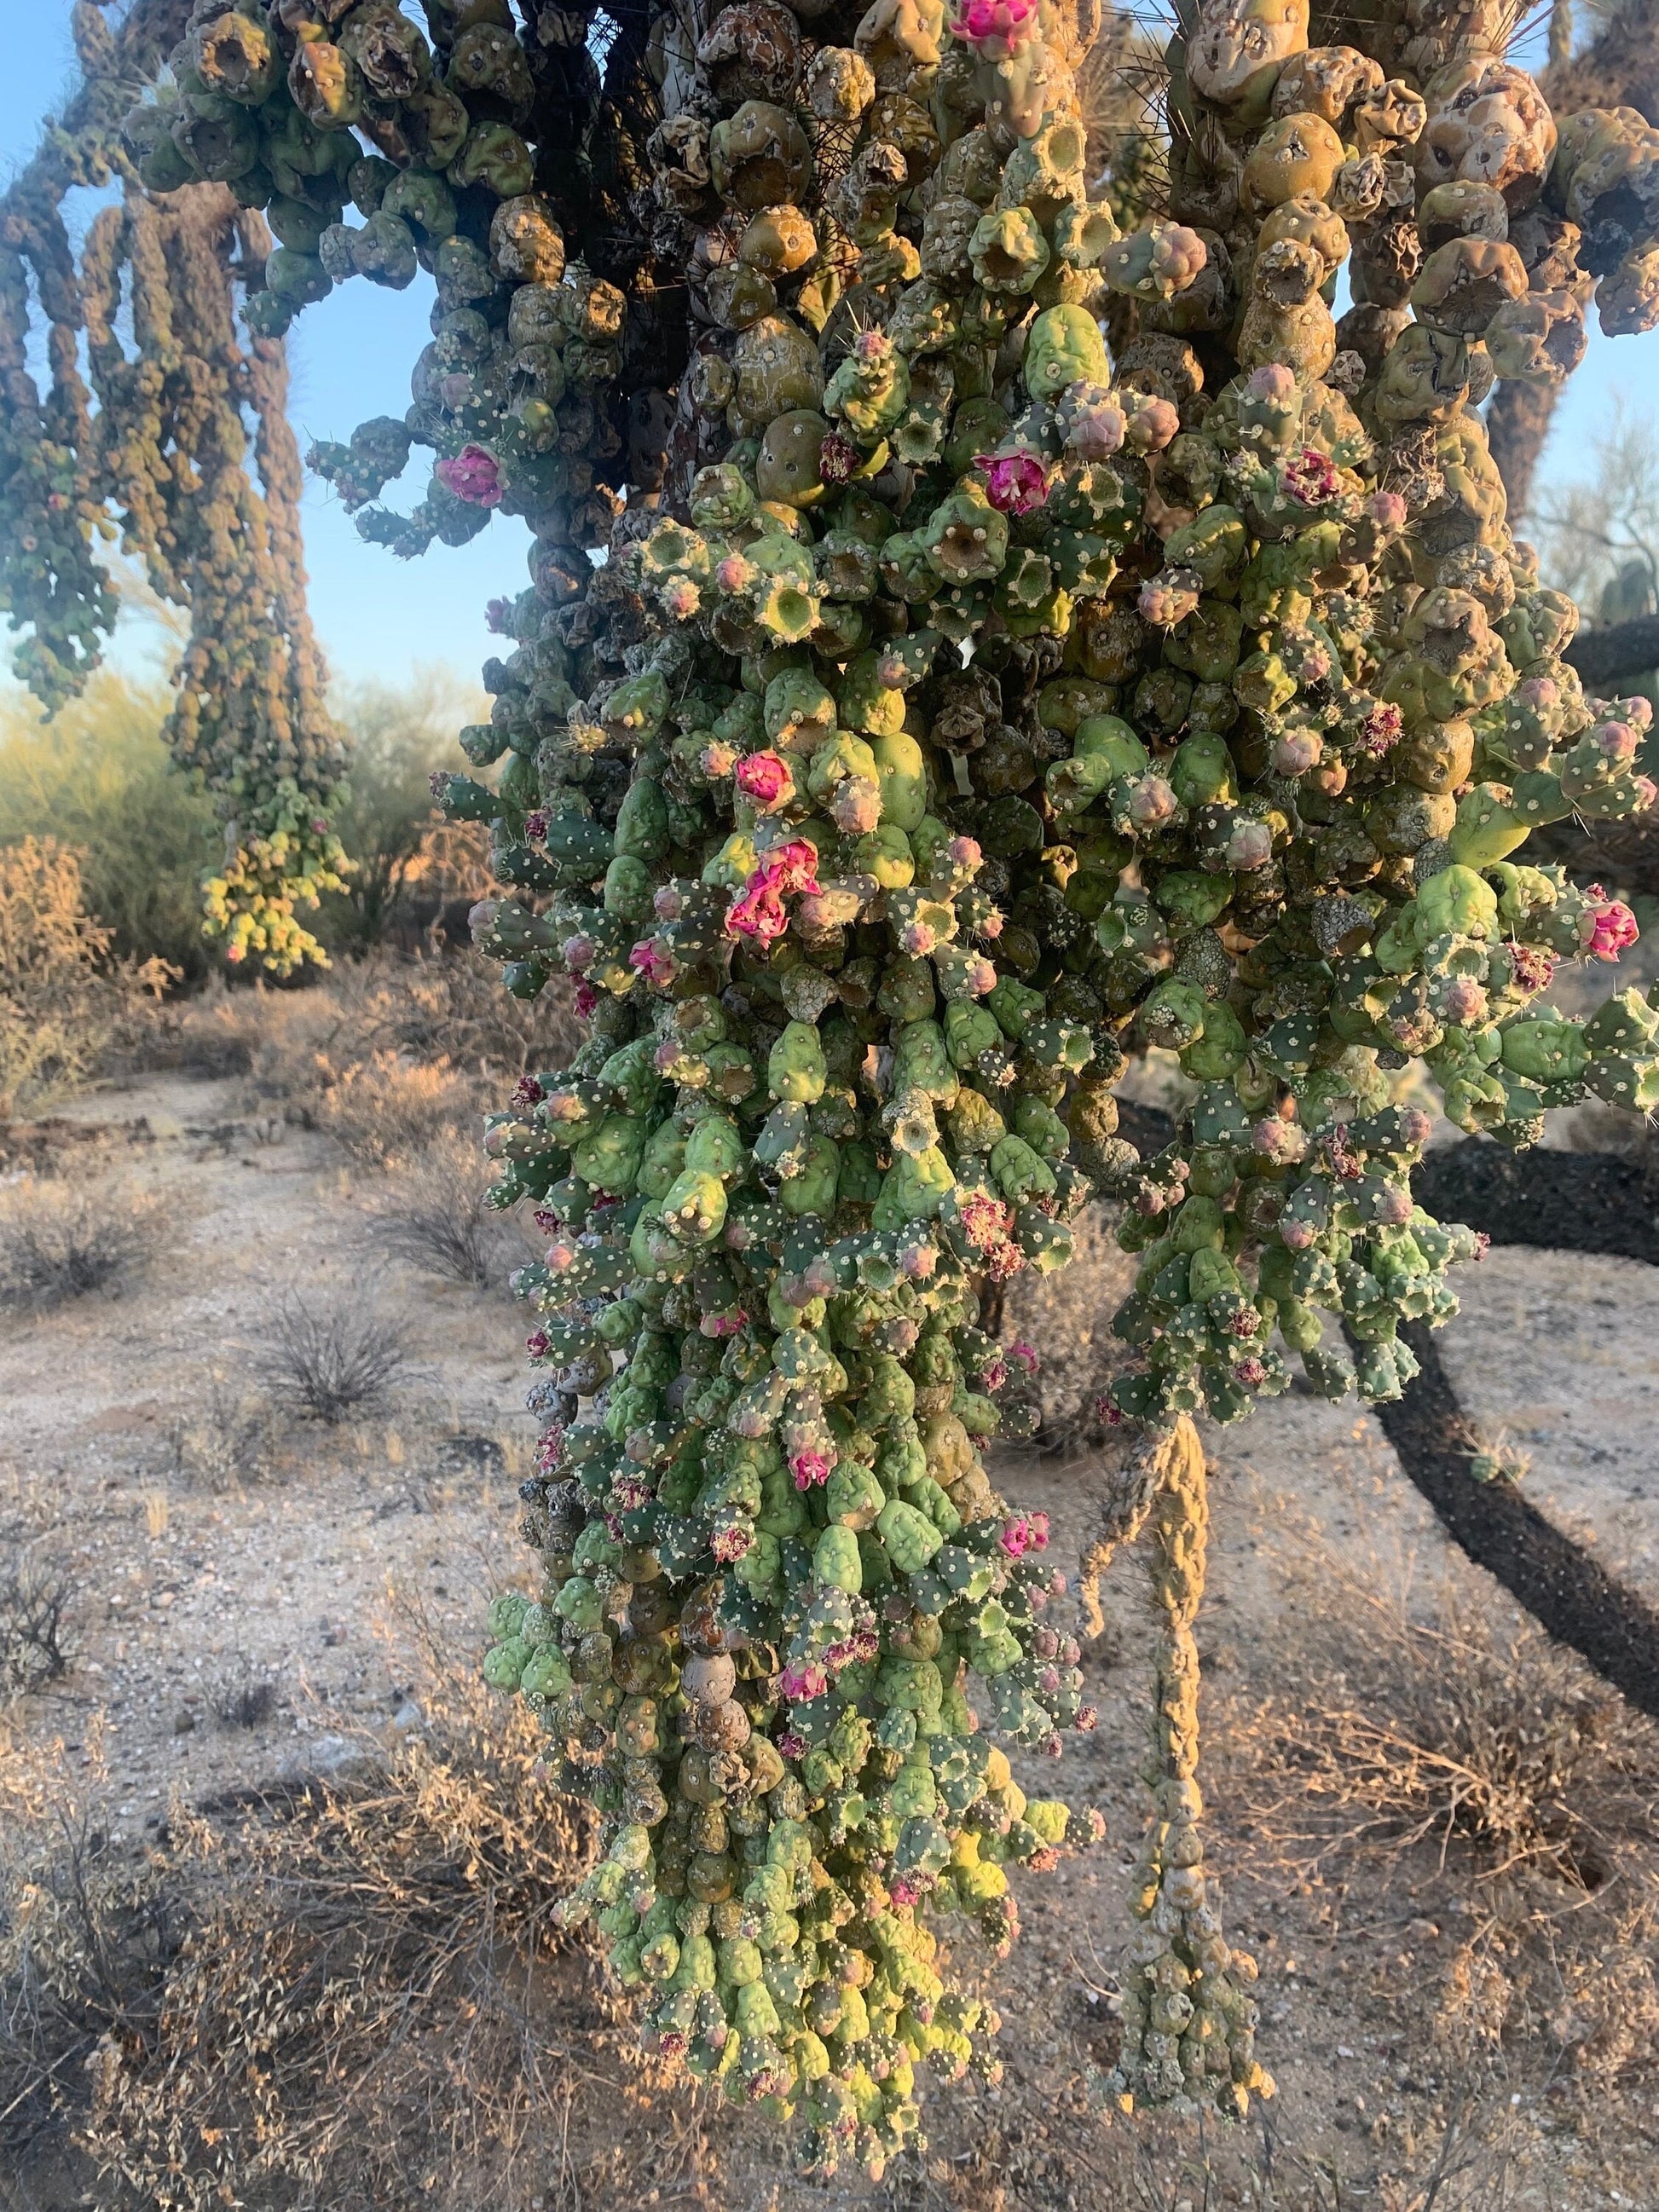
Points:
(765, 778)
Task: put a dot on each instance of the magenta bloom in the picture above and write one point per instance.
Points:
(1311, 477)
(803, 1680)
(1170, 597)
(535, 1343)
(758, 911)
(765, 778)
(731, 1543)
(588, 999)
(1608, 927)
(1381, 728)
(839, 460)
(497, 615)
(472, 476)
(1015, 484)
(996, 27)
(653, 961)
(1025, 1355)
(809, 1468)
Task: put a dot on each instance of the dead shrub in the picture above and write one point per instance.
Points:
(1499, 1758)
(437, 1218)
(35, 1602)
(331, 1360)
(64, 1001)
(244, 1700)
(61, 1240)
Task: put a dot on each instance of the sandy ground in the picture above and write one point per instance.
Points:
(188, 1591)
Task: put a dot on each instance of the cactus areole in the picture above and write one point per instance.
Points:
(916, 707)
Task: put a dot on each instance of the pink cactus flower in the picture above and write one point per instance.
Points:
(905, 1892)
(1015, 484)
(1533, 969)
(809, 1468)
(758, 911)
(1108, 1414)
(995, 28)
(839, 460)
(802, 1680)
(733, 1543)
(681, 598)
(497, 615)
(765, 778)
(527, 1091)
(1311, 477)
(473, 475)
(1463, 1001)
(986, 1221)
(654, 962)
(588, 999)
(536, 1343)
(1250, 1373)
(1383, 728)
(1607, 927)
(735, 573)
(1014, 1539)
(438, 783)
(1024, 1356)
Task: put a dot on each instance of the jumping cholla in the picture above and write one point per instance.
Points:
(914, 707)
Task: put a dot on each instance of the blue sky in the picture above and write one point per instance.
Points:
(351, 356)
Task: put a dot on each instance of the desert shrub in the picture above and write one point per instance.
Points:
(434, 1216)
(245, 1698)
(357, 1998)
(398, 841)
(330, 1360)
(64, 999)
(384, 1110)
(35, 1602)
(62, 1240)
(98, 778)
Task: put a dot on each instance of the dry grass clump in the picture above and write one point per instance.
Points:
(1067, 1318)
(231, 1437)
(435, 1217)
(64, 1001)
(1450, 1747)
(62, 1240)
(355, 1999)
(331, 1360)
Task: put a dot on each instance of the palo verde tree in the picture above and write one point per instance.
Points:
(917, 704)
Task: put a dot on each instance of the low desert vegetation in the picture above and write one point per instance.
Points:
(62, 1240)
(329, 1359)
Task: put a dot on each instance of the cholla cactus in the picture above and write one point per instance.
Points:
(163, 456)
(959, 706)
